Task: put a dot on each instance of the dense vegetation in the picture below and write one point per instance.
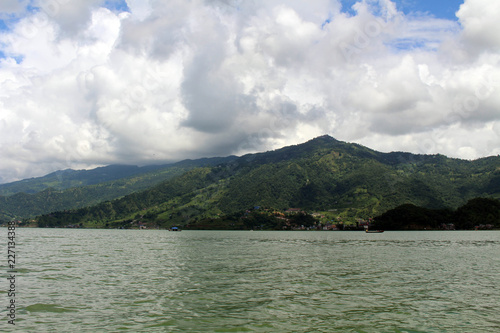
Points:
(66, 189)
(257, 220)
(64, 179)
(135, 204)
(478, 213)
(326, 175)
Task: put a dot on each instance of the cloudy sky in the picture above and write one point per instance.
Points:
(94, 82)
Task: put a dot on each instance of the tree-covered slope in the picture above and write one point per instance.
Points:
(182, 188)
(64, 179)
(322, 175)
(328, 174)
(69, 193)
(479, 213)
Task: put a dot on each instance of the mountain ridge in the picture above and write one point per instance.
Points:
(400, 156)
(321, 174)
(68, 178)
(70, 193)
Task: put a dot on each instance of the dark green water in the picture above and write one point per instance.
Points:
(208, 281)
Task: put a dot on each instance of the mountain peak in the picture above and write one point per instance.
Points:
(324, 137)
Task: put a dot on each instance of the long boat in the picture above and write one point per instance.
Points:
(373, 231)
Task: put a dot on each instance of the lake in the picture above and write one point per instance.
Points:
(77, 280)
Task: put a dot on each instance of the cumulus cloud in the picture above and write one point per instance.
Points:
(479, 19)
(145, 82)
(10, 7)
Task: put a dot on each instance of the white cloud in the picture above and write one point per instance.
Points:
(86, 86)
(140, 9)
(480, 22)
(9, 7)
(71, 17)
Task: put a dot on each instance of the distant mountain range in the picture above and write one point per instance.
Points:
(323, 175)
(67, 189)
(64, 179)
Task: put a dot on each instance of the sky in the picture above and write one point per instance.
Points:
(85, 83)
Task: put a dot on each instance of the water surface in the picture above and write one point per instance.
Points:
(223, 281)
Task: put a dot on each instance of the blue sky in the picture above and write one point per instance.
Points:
(444, 9)
(119, 5)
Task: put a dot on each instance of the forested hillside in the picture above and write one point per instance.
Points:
(320, 175)
(64, 179)
(478, 213)
(67, 190)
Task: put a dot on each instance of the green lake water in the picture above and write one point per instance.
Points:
(223, 281)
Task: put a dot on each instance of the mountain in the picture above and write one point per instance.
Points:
(346, 180)
(69, 189)
(64, 179)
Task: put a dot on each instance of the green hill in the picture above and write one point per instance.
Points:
(64, 179)
(70, 189)
(323, 174)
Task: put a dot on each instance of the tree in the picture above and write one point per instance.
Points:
(476, 212)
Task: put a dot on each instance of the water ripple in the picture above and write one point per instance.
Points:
(156, 281)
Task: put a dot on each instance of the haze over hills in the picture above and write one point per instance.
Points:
(67, 189)
(64, 179)
(322, 174)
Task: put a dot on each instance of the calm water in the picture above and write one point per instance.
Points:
(208, 281)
